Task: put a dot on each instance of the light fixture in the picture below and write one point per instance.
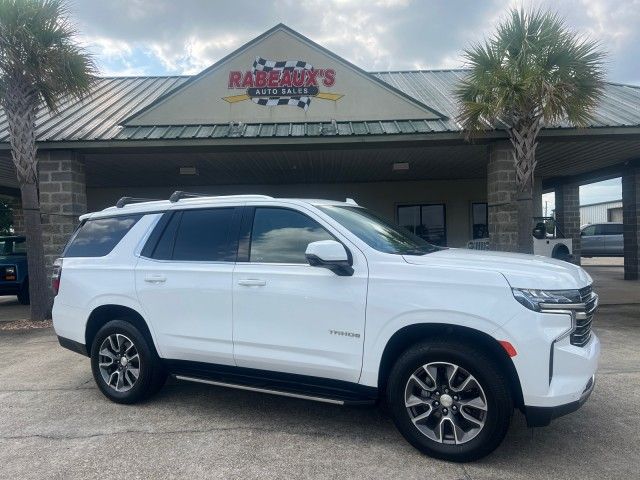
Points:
(400, 166)
(188, 171)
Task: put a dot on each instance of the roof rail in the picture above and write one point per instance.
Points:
(127, 200)
(179, 195)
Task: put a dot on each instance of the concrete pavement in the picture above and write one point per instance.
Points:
(54, 423)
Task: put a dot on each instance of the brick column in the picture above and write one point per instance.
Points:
(568, 215)
(15, 204)
(62, 199)
(631, 220)
(501, 198)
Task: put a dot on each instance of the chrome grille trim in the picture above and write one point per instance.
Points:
(581, 316)
(584, 317)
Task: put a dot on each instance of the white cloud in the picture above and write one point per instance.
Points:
(189, 35)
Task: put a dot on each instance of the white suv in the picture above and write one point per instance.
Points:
(327, 301)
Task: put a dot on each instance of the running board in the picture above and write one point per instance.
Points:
(261, 390)
(337, 392)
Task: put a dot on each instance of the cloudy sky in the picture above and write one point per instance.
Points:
(131, 37)
(155, 37)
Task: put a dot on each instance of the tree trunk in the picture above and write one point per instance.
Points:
(20, 102)
(524, 140)
(525, 221)
(39, 292)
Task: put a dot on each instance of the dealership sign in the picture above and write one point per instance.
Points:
(288, 82)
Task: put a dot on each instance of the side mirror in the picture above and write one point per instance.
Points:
(330, 254)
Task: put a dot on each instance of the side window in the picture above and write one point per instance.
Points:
(280, 235)
(164, 247)
(589, 231)
(612, 229)
(96, 238)
(197, 235)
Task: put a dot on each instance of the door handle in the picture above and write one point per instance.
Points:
(155, 278)
(252, 282)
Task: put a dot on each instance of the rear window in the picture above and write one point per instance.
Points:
(96, 238)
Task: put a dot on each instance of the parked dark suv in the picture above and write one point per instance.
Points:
(602, 240)
(14, 276)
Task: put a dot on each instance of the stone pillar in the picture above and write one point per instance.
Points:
(631, 220)
(63, 198)
(502, 198)
(15, 204)
(568, 215)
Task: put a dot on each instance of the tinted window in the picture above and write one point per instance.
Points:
(589, 231)
(611, 229)
(164, 247)
(199, 235)
(281, 236)
(96, 238)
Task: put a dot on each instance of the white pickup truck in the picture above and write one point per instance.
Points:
(326, 301)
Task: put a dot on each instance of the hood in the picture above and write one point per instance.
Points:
(520, 270)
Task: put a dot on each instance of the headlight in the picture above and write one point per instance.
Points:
(532, 299)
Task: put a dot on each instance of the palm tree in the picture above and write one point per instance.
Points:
(532, 72)
(39, 64)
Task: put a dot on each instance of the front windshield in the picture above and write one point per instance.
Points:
(377, 232)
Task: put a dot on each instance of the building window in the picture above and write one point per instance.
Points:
(479, 220)
(428, 221)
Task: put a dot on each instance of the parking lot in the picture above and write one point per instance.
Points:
(54, 423)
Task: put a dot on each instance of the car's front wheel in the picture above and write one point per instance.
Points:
(124, 364)
(449, 400)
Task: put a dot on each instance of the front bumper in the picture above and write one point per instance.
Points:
(542, 416)
(554, 374)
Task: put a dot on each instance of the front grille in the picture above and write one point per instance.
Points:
(582, 333)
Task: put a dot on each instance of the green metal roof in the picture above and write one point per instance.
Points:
(98, 117)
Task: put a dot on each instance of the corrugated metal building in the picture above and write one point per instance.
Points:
(601, 212)
(282, 115)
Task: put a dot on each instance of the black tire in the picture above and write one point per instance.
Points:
(493, 382)
(152, 374)
(23, 294)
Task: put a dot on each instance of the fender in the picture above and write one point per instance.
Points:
(124, 301)
(375, 345)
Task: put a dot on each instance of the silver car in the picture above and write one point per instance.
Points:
(602, 240)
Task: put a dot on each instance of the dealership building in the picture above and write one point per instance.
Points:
(284, 116)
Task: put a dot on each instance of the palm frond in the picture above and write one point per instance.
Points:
(38, 48)
(533, 66)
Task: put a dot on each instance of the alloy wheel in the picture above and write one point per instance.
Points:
(119, 362)
(446, 403)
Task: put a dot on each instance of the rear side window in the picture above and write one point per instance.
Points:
(612, 229)
(96, 238)
(197, 235)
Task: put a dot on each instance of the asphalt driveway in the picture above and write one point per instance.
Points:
(54, 423)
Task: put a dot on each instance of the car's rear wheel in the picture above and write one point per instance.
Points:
(124, 364)
(449, 400)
